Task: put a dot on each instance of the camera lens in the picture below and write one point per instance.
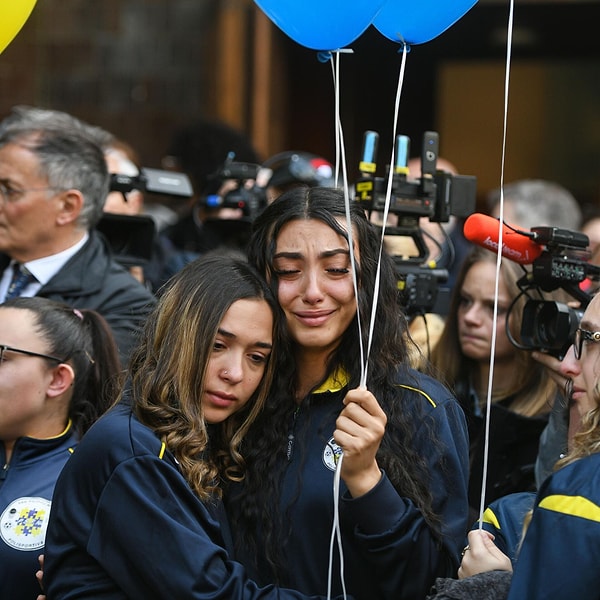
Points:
(549, 326)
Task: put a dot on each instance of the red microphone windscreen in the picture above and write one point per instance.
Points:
(483, 230)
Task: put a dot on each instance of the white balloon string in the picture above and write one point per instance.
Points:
(336, 533)
(340, 137)
(335, 66)
(335, 71)
(498, 265)
(388, 195)
(341, 159)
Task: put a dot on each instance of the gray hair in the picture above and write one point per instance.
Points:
(536, 202)
(68, 152)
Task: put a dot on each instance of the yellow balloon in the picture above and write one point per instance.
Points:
(13, 14)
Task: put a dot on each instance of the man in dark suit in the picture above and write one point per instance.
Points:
(53, 184)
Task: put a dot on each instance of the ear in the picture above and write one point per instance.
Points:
(62, 379)
(70, 207)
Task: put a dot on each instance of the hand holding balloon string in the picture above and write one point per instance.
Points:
(359, 430)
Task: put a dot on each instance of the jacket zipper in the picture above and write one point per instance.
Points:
(290, 442)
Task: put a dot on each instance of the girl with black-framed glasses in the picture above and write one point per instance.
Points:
(57, 365)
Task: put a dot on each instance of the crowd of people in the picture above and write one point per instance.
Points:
(207, 423)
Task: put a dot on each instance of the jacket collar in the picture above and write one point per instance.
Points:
(337, 380)
(29, 449)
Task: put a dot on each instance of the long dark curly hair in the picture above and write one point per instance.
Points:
(168, 369)
(265, 446)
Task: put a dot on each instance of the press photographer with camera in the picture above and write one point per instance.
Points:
(200, 150)
(133, 232)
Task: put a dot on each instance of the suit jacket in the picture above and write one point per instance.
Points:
(93, 279)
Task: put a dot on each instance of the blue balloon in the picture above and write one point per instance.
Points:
(419, 21)
(321, 24)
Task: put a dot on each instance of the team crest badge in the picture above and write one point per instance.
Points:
(331, 454)
(23, 523)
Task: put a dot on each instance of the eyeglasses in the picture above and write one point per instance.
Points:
(3, 349)
(582, 335)
(10, 194)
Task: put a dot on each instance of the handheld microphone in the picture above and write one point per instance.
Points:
(483, 230)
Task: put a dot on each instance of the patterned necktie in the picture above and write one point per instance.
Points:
(20, 280)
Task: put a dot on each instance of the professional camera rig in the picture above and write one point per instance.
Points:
(548, 325)
(131, 237)
(250, 195)
(154, 181)
(436, 195)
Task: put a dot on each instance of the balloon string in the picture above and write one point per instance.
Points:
(342, 159)
(388, 195)
(336, 534)
(335, 72)
(498, 264)
(335, 67)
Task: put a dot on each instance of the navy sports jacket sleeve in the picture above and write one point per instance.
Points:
(405, 552)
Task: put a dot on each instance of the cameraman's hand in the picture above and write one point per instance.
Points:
(229, 213)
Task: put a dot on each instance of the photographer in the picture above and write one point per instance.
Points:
(136, 242)
(199, 150)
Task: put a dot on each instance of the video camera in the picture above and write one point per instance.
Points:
(131, 237)
(435, 194)
(154, 181)
(250, 195)
(547, 325)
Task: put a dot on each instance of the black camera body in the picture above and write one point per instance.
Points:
(435, 195)
(419, 288)
(250, 195)
(154, 181)
(131, 237)
(250, 201)
(547, 325)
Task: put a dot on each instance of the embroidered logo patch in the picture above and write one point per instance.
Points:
(23, 523)
(331, 454)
